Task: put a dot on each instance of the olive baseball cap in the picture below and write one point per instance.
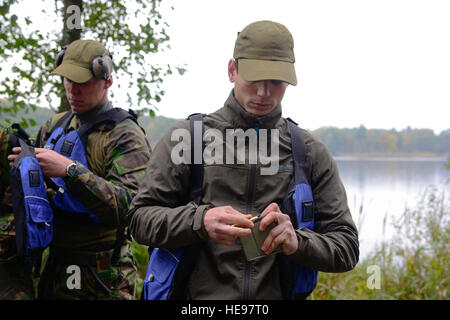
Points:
(265, 51)
(76, 64)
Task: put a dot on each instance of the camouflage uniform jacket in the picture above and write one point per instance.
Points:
(7, 242)
(117, 161)
(4, 164)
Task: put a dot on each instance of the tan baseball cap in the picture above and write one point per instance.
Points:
(76, 64)
(265, 51)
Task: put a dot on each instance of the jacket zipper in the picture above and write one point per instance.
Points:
(247, 265)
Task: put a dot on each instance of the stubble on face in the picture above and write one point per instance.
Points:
(256, 97)
(85, 96)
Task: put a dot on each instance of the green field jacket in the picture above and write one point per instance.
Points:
(161, 216)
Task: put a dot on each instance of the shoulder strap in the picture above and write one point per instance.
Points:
(62, 122)
(301, 172)
(18, 133)
(111, 118)
(195, 193)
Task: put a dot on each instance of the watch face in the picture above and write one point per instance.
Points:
(71, 169)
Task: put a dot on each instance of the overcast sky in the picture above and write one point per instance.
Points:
(383, 63)
(380, 63)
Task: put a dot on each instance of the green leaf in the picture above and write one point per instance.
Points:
(101, 20)
(14, 19)
(21, 104)
(24, 123)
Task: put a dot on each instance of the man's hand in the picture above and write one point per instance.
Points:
(51, 162)
(222, 223)
(13, 156)
(283, 234)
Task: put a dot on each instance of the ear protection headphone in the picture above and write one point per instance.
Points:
(101, 66)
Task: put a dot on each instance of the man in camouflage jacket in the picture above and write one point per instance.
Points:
(79, 264)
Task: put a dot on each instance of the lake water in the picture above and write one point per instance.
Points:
(386, 186)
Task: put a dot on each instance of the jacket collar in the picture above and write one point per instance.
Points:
(240, 118)
(80, 118)
(94, 112)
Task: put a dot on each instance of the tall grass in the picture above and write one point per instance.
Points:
(140, 253)
(413, 264)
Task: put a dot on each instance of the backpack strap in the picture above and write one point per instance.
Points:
(190, 253)
(62, 122)
(196, 123)
(298, 281)
(18, 132)
(18, 136)
(301, 172)
(111, 118)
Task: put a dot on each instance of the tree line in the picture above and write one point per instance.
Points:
(338, 140)
(363, 140)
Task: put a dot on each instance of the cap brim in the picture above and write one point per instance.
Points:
(73, 72)
(256, 70)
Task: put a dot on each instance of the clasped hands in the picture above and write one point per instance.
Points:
(224, 225)
(51, 162)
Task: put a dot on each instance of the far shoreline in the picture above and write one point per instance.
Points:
(427, 156)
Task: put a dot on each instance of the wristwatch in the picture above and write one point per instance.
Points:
(71, 169)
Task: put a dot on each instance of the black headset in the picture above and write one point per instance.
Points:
(101, 66)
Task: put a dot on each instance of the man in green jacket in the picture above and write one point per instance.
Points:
(89, 256)
(234, 190)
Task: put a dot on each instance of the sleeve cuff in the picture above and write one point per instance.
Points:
(80, 168)
(302, 240)
(198, 225)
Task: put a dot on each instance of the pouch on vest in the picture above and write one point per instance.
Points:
(160, 273)
(33, 216)
(304, 208)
